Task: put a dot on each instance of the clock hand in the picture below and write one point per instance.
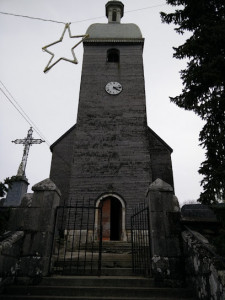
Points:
(116, 88)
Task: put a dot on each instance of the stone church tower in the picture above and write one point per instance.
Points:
(111, 155)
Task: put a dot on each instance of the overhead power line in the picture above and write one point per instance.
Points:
(148, 7)
(17, 106)
(29, 17)
(73, 22)
(126, 11)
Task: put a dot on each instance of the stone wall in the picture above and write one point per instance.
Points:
(36, 218)
(164, 211)
(110, 147)
(10, 249)
(204, 270)
(111, 150)
(61, 162)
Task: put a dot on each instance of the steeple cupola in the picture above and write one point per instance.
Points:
(114, 11)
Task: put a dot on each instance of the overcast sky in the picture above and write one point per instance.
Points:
(50, 100)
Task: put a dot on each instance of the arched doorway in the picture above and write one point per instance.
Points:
(113, 217)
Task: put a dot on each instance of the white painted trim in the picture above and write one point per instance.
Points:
(107, 195)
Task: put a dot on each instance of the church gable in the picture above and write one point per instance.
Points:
(62, 154)
(160, 154)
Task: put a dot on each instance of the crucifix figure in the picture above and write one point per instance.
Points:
(27, 142)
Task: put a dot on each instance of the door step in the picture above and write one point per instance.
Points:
(90, 287)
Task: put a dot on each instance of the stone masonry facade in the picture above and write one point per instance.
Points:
(110, 149)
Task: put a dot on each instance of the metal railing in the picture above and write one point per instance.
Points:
(140, 237)
(77, 243)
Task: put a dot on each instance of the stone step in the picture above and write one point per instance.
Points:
(108, 281)
(33, 297)
(91, 288)
(95, 272)
(96, 292)
(82, 264)
(117, 272)
(108, 260)
(115, 255)
(87, 255)
(109, 246)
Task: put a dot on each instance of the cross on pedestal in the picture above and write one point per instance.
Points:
(27, 142)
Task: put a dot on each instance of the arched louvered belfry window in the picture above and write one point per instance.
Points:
(113, 55)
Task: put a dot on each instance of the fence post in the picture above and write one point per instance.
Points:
(36, 219)
(165, 233)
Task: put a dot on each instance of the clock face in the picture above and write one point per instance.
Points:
(113, 88)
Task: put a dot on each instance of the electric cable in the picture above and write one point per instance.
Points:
(73, 22)
(15, 103)
(126, 11)
(148, 7)
(29, 121)
(34, 18)
(23, 113)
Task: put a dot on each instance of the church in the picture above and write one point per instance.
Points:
(111, 156)
(108, 216)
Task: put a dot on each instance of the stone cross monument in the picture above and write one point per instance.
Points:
(19, 187)
(27, 142)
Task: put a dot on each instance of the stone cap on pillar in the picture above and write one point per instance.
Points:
(16, 191)
(160, 185)
(46, 185)
(27, 200)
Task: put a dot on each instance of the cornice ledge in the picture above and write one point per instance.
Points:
(105, 40)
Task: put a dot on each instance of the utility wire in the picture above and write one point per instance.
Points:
(29, 121)
(84, 20)
(148, 7)
(20, 109)
(128, 11)
(22, 113)
(34, 18)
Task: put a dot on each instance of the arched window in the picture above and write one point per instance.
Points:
(114, 15)
(113, 55)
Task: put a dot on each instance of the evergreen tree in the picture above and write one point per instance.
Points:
(6, 185)
(203, 83)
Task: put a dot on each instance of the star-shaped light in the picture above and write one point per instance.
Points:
(74, 60)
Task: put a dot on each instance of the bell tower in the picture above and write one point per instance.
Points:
(114, 11)
(111, 155)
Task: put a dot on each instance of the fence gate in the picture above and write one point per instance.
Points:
(77, 243)
(140, 237)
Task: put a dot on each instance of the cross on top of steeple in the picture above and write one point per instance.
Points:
(27, 142)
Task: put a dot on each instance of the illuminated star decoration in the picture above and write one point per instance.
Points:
(74, 60)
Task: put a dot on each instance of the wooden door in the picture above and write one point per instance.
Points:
(106, 219)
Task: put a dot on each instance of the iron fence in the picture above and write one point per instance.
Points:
(77, 243)
(140, 237)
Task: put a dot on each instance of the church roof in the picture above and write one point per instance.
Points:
(62, 137)
(160, 140)
(114, 30)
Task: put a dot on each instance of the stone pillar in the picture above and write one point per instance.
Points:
(36, 217)
(165, 234)
(16, 191)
